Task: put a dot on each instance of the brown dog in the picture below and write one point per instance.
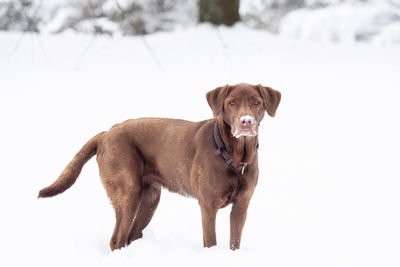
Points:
(214, 161)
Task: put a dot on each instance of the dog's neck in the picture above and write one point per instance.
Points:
(242, 149)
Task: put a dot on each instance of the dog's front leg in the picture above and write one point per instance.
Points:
(238, 217)
(208, 216)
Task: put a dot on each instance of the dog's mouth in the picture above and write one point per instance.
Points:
(245, 126)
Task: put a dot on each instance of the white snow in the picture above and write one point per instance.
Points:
(238, 135)
(375, 21)
(328, 191)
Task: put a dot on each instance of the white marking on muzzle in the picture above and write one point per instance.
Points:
(246, 120)
(237, 134)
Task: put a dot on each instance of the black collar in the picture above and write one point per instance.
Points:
(222, 151)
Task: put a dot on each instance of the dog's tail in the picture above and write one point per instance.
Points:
(73, 169)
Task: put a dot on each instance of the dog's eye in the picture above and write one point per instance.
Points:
(232, 102)
(256, 103)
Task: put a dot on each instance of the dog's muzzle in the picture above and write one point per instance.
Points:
(245, 126)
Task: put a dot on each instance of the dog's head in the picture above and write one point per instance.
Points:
(242, 106)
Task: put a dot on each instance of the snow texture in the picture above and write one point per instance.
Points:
(328, 190)
(375, 22)
(116, 17)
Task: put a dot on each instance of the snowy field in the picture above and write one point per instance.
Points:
(329, 185)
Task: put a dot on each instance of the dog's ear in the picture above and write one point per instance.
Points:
(271, 98)
(216, 97)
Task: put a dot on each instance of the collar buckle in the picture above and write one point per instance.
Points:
(243, 165)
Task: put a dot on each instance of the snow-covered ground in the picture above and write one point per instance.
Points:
(328, 192)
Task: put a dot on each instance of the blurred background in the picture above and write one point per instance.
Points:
(376, 21)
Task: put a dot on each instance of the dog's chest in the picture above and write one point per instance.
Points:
(235, 187)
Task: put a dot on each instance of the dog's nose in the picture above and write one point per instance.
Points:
(246, 120)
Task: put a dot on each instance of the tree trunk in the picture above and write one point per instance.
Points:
(219, 11)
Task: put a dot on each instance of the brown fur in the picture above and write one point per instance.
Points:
(137, 157)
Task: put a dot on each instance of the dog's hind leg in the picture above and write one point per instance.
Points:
(125, 215)
(121, 176)
(150, 199)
